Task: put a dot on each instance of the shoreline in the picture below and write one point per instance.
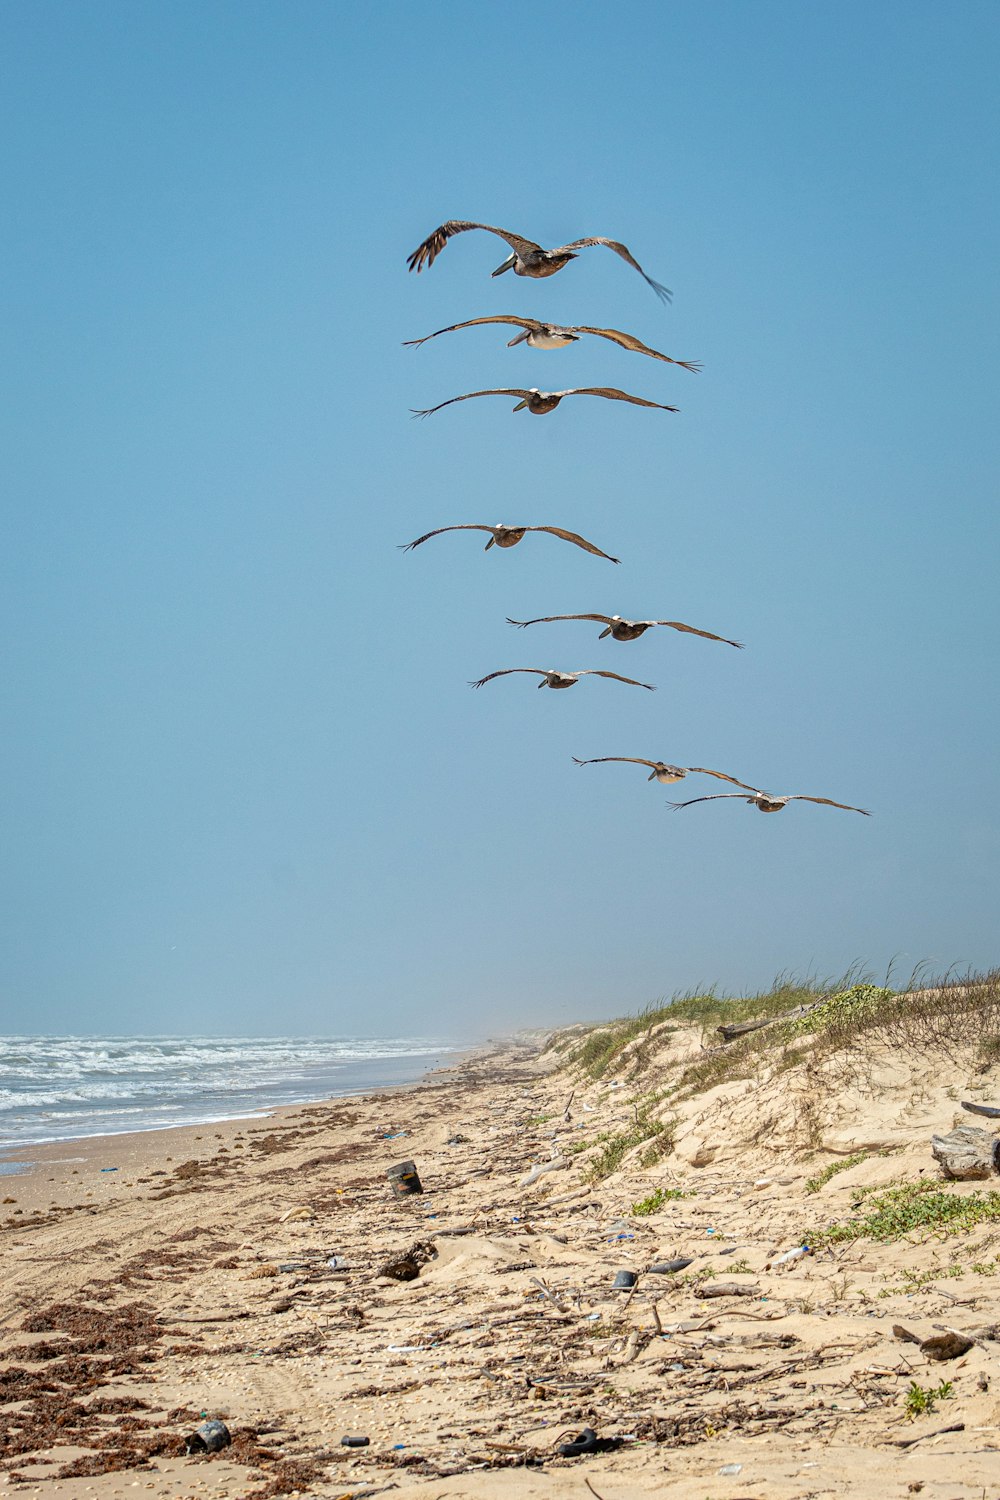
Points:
(383, 1067)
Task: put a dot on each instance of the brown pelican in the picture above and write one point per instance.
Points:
(540, 402)
(554, 336)
(528, 258)
(627, 630)
(661, 771)
(509, 536)
(764, 802)
(554, 679)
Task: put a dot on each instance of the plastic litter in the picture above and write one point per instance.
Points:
(731, 1469)
(796, 1254)
(109, 1169)
(404, 1179)
(588, 1442)
(211, 1437)
(624, 1281)
(668, 1267)
(354, 1442)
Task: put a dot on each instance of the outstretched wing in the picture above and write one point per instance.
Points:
(426, 253)
(596, 239)
(715, 797)
(706, 634)
(633, 760)
(629, 341)
(613, 394)
(530, 323)
(704, 771)
(800, 797)
(600, 672)
(429, 411)
(507, 672)
(548, 619)
(409, 546)
(578, 541)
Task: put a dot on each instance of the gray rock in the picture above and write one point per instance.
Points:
(967, 1152)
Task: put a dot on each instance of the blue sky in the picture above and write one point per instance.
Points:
(247, 787)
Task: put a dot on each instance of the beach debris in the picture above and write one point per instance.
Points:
(989, 1110)
(354, 1442)
(587, 1441)
(210, 1437)
(731, 1469)
(937, 1432)
(261, 1273)
(671, 1267)
(407, 1267)
(303, 1214)
(404, 1179)
(624, 1281)
(726, 1289)
(558, 1164)
(967, 1152)
(109, 1169)
(949, 1344)
(457, 1140)
(781, 1260)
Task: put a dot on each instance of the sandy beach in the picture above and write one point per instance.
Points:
(263, 1273)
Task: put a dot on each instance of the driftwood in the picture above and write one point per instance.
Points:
(726, 1289)
(938, 1432)
(966, 1152)
(989, 1110)
(742, 1028)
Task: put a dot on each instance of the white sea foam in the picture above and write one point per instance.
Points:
(62, 1088)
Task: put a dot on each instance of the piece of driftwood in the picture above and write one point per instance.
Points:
(938, 1432)
(726, 1289)
(948, 1344)
(742, 1028)
(967, 1152)
(989, 1110)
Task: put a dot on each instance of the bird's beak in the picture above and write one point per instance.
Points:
(520, 406)
(505, 267)
(489, 544)
(521, 336)
(604, 633)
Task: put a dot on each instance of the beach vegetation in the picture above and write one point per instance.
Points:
(656, 1200)
(913, 1207)
(921, 1400)
(822, 1178)
(615, 1145)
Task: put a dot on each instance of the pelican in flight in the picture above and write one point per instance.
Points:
(528, 259)
(509, 536)
(554, 679)
(627, 630)
(764, 802)
(553, 336)
(540, 402)
(661, 772)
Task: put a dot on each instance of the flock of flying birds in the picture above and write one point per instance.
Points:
(528, 259)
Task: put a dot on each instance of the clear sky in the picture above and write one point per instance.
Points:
(246, 785)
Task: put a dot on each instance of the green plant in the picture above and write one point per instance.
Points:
(656, 1201)
(822, 1178)
(741, 1267)
(921, 1400)
(897, 1211)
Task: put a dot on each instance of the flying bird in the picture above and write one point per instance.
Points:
(509, 536)
(553, 679)
(539, 335)
(627, 630)
(764, 802)
(528, 259)
(540, 402)
(660, 770)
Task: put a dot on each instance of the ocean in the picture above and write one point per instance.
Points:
(60, 1088)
